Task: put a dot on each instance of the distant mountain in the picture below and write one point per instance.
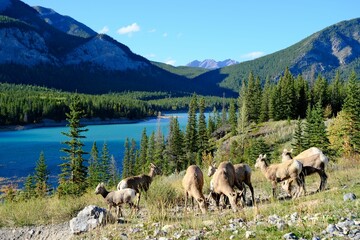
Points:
(189, 72)
(211, 63)
(334, 48)
(65, 24)
(38, 46)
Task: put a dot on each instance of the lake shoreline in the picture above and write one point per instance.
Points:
(63, 123)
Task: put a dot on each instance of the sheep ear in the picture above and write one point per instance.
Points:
(102, 184)
(291, 150)
(152, 165)
(213, 164)
(264, 156)
(200, 200)
(260, 156)
(285, 150)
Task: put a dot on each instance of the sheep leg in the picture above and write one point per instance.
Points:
(186, 199)
(252, 193)
(216, 198)
(138, 202)
(323, 179)
(274, 185)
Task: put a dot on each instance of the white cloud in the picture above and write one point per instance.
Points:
(165, 34)
(170, 61)
(129, 29)
(104, 30)
(252, 55)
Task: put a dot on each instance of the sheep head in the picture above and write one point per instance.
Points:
(203, 204)
(260, 161)
(99, 188)
(211, 169)
(286, 154)
(155, 169)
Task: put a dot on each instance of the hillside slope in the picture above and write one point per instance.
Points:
(334, 48)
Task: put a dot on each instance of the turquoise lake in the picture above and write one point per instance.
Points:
(19, 150)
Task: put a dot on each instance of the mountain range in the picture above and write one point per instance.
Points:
(211, 63)
(41, 47)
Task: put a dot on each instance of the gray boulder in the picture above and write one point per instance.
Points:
(349, 197)
(89, 218)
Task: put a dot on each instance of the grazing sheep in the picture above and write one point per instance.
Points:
(193, 183)
(242, 175)
(279, 172)
(223, 182)
(116, 198)
(313, 160)
(140, 182)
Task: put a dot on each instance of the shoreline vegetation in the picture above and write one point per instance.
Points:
(63, 123)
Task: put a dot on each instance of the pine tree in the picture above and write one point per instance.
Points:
(287, 96)
(94, 177)
(233, 117)
(151, 149)
(133, 156)
(302, 96)
(336, 94)
(104, 163)
(298, 144)
(243, 125)
(223, 112)
(191, 129)
(202, 130)
(140, 167)
(320, 91)
(113, 172)
(265, 102)
(316, 130)
(72, 179)
(29, 187)
(352, 108)
(175, 147)
(211, 124)
(126, 160)
(41, 176)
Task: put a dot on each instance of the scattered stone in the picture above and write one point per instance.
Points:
(177, 235)
(250, 234)
(194, 238)
(349, 197)
(331, 228)
(294, 217)
(281, 225)
(123, 236)
(289, 236)
(168, 228)
(163, 238)
(89, 218)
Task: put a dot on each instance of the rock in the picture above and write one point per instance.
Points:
(331, 228)
(168, 228)
(209, 223)
(294, 216)
(89, 218)
(281, 225)
(289, 236)
(250, 234)
(123, 236)
(194, 238)
(349, 197)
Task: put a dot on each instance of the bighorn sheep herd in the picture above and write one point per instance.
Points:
(224, 179)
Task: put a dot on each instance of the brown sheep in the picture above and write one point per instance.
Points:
(223, 182)
(193, 183)
(313, 160)
(141, 182)
(116, 198)
(279, 172)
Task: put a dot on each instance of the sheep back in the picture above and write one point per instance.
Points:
(313, 157)
(224, 178)
(285, 170)
(193, 179)
(138, 183)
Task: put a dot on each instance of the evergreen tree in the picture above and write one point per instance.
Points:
(232, 117)
(41, 176)
(336, 95)
(316, 130)
(253, 97)
(159, 151)
(302, 96)
(352, 109)
(265, 102)
(243, 125)
(202, 130)
(151, 149)
(126, 160)
(72, 179)
(175, 147)
(191, 129)
(105, 163)
(94, 177)
(140, 168)
(287, 96)
(113, 172)
(223, 112)
(320, 91)
(29, 187)
(133, 156)
(211, 124)
(298, 144)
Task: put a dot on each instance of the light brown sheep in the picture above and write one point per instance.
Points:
(223, 182)
(193, 183)
(279, 172)
(116, 198)
(313, 160)
(140, 182)
(242, 176)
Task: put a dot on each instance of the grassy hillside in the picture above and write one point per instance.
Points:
(189, 72)
(306, 217)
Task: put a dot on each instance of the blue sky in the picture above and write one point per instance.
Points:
(178, 32)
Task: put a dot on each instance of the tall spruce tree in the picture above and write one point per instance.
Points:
(105, 163)
(151, 149)
(233, 117)
(299, 143)
(113, 172)
(29, 187)
(287, 96)
(202, 130)
(41, 176)
(126, 160)
(265, 102)
(140, 166)
(302, 96)
(191, 130)
(175, 147)
(336, 94)
(94, 176)
(352, 108)
(320, 91)
(72, 179)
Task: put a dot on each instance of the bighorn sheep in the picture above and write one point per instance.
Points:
(242, 175)
(140, 182)
(193, 183)
(223, 182)
(279, 172)
(313, 160)
(116, 198)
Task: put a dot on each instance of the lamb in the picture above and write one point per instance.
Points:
(223, 182)
(140, 182)
(313, 160)
(193, 183)
(242, 175)
(116, 198)
(276, 173)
